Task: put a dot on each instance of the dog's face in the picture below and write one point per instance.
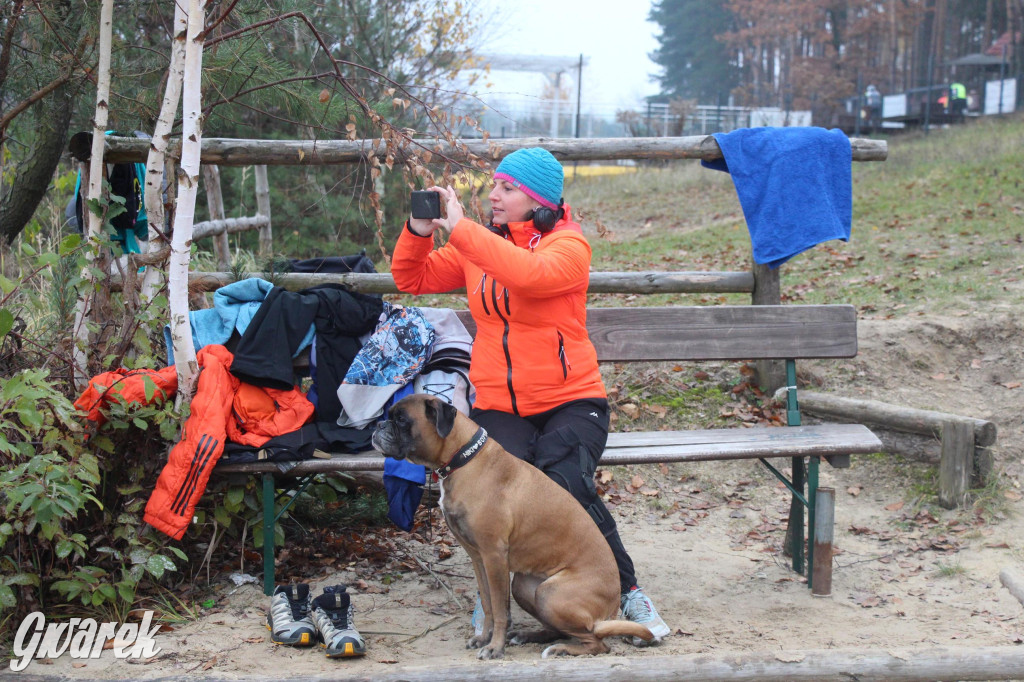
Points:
(416, 431)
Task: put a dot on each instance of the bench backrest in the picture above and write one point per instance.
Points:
(725, 332)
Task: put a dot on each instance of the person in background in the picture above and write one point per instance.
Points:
(539, 388)
(957, 100)
(873, 106)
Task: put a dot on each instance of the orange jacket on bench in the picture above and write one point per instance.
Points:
(223, 409)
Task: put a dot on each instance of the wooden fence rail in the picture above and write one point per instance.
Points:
(235, 152)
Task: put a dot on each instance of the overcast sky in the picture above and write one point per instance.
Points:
(615, 38)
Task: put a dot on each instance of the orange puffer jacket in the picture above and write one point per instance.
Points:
(223, 409)
(528, 296)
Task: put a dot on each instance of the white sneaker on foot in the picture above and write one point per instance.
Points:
(637, 607)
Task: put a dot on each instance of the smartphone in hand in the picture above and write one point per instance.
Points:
(426, 204)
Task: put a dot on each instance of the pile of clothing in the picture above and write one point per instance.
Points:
(364, 355)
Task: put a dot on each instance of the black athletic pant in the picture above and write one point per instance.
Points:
(565, 443)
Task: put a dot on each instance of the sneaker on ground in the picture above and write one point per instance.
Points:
(332, 615)
(637, 607)
(288, 619)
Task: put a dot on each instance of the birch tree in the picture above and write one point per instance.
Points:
(184, 214)
(152, 279)
(95, 256)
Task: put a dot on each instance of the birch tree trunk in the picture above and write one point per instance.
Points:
(184, 213)
(94, 254)
(153, 277)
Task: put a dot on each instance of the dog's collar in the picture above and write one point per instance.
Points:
(465, 453)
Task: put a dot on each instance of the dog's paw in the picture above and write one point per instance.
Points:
(490, 652)
(515, 637)
(477, 641)
(555, 650)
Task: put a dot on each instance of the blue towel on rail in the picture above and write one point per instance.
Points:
(793, 184)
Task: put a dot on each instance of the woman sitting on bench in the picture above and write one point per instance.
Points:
(538, 385)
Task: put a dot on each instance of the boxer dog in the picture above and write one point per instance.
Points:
(511, 518)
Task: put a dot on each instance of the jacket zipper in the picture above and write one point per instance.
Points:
(483, 293)
(561, 356)
(504, 342)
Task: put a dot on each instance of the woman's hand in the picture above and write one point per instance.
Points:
(453, 213)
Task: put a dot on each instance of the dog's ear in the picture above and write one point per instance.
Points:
(443, 416)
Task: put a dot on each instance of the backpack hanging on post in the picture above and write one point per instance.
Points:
(126, 181)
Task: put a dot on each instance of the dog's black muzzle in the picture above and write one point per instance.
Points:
(387, 440)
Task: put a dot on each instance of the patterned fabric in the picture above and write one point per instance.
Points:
(395, 352)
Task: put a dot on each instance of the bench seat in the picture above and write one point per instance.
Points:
(679, 334)
(643, 447)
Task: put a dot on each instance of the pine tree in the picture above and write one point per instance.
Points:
(695, 63)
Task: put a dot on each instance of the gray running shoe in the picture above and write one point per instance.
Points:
(637, 607)
(332, 615)
(288, 619)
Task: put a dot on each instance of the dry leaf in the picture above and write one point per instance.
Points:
(659, 411)
(78, 665)
(210, 663)
(895, 506)
(637, 481)
(854, 490)
(629, 409)
(1012, 495)
(324, 96)
(1012, 384)
(604, 477)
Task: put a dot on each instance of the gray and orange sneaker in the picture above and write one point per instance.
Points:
(332, 615)
(288, 619)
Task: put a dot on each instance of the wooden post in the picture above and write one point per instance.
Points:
(955, 466)
(215, 204)
(824, 524)
(263, 208)
(771, 374)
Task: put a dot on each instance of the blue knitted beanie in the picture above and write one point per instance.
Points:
(536, 172)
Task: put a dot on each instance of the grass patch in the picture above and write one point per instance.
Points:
(951, 570)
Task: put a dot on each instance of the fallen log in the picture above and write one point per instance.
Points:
(918, 434)
(892, 665)
(911, 420)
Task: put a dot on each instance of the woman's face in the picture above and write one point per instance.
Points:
(510, 204)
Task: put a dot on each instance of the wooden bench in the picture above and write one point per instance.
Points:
(687, 333)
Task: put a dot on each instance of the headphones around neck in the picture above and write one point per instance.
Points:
(544, 218)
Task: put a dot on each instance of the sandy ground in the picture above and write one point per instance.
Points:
(907, 574)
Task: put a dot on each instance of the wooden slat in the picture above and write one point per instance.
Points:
(720, 332)
(657, 446)
(721, 444)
